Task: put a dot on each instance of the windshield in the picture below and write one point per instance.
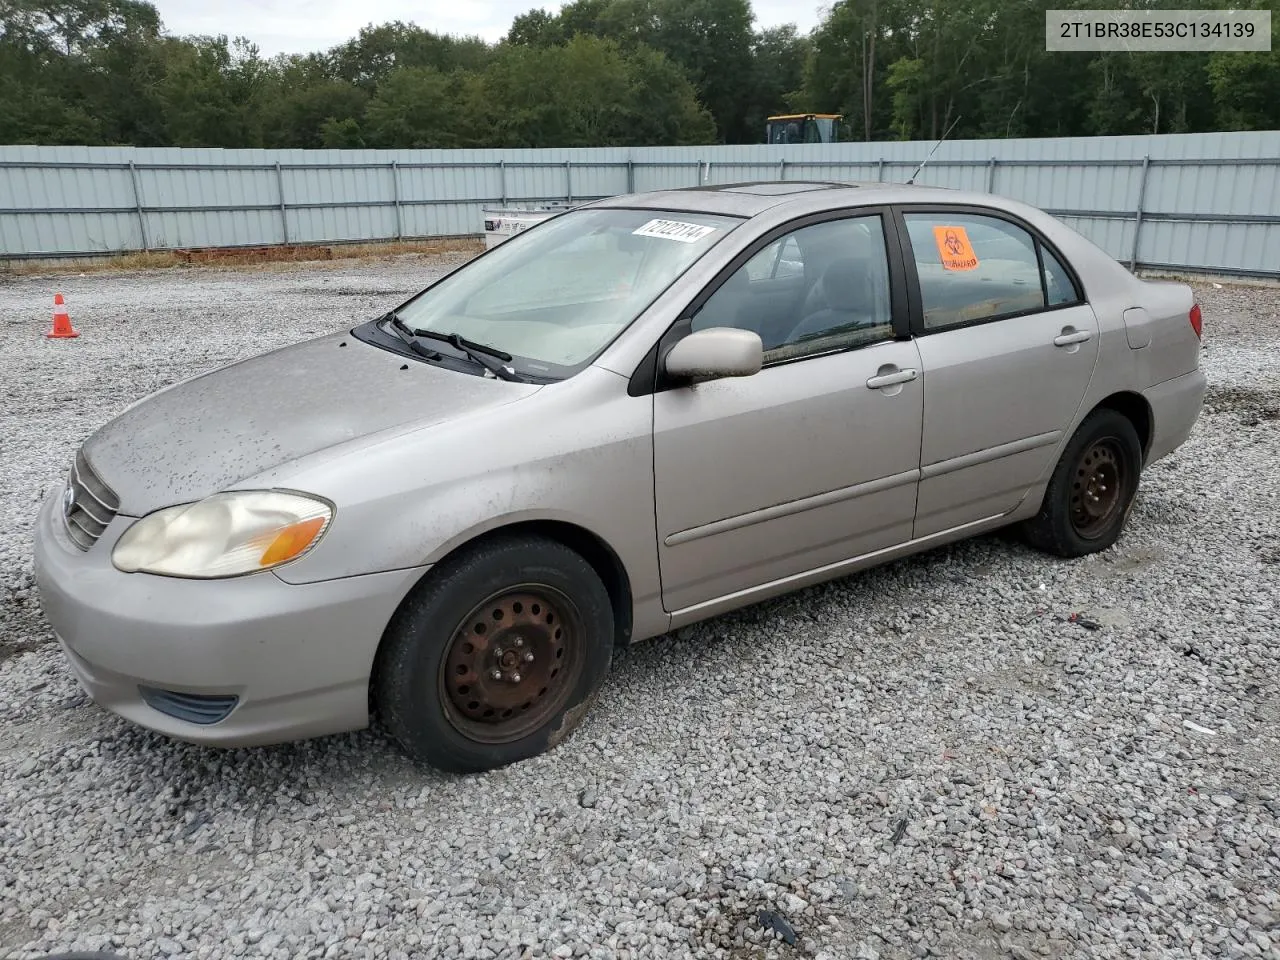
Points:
(557, 294)
(823, 130)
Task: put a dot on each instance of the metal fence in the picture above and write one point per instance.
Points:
(1206, 202)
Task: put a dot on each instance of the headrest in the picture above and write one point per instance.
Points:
(846, 284)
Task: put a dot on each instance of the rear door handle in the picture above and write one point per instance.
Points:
(892, 379)
(1067, 339)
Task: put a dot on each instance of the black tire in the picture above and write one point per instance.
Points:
(434, 686)
(1092, 490)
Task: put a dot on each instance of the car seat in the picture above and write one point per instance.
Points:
(837, 243)
(849, 294)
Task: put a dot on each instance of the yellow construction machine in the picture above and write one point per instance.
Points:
(803, 128)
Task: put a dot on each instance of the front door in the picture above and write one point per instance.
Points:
(814, 459)
(1008, 347)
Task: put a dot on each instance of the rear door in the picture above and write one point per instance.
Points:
(1008, 348)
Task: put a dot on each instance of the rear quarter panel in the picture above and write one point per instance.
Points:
(1173, 350)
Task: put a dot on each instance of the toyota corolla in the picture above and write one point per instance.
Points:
(637, 414)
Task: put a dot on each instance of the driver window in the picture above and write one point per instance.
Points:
(821, 288)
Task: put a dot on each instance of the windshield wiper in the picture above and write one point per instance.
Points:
(478, 352)
(410, 337)
(462, 343)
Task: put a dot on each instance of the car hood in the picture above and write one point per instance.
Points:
(202, 435)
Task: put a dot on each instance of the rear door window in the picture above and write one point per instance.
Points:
(973, 268)
(1059, 286)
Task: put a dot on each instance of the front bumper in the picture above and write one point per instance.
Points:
(296, 657)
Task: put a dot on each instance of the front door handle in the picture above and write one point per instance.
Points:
(1066, 339)
(891, 379)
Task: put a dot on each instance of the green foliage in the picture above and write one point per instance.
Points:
(425, 107)
(610, 72)
(207, 92)
(537, 28)
(303, 113)
(377, 51)
(591, 92)
(905, 69)
(341, 134)
(1246, 86)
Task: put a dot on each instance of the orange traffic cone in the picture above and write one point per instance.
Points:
(62, 328)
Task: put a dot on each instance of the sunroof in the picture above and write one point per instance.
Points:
(779, 189)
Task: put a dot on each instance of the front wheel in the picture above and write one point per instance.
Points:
(495, 656)
(1092, 489)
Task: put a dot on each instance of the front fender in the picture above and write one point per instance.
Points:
(579, 453)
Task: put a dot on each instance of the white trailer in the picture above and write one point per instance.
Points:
(503, 223)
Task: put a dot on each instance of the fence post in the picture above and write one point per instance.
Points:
(699, 171)
(284, 216)
(782, 169)
(631, 175)
(137, 203)
(568, 181)
(1137, 216)
(502, 180)
(880, 171)
(395, 196)
(991, 175)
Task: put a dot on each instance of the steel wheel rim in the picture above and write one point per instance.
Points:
(1096, 488)
(512, 663)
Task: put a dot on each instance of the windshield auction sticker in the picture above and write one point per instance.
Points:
(674, 230)
(954, 248)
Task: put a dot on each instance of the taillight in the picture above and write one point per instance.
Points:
(1196, 322)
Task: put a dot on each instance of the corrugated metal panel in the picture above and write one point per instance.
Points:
(1210, 200)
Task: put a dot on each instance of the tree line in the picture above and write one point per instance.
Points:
(610, 73)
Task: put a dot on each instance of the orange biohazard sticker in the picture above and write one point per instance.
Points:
(954, 248)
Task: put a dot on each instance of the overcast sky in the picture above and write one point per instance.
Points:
(302, 26)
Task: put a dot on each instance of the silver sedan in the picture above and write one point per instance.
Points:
(638, 414)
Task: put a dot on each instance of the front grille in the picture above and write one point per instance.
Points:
(92, 506)
(191, 707)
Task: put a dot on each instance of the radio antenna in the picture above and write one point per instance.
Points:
(934, 150)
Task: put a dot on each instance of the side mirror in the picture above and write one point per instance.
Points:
(714, 353)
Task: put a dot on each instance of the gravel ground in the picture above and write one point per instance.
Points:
(929, 760)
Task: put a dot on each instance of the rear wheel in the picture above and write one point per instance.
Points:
(1092, 489)
(496, 656)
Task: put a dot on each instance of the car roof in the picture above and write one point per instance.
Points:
(751, 198)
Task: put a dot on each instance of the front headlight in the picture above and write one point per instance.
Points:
(225, 535)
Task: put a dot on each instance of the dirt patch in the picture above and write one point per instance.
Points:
(1253, 406)
(241, 257)
(1136, 560)
(729, 932)
(10, 650)
(1267, 547)
(354, 292)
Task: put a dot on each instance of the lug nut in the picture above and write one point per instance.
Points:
(518, 641)
(528, 657)
(497, 651)
(496, 674)
(515, 678)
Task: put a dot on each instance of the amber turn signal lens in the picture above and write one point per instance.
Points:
(291, 541)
